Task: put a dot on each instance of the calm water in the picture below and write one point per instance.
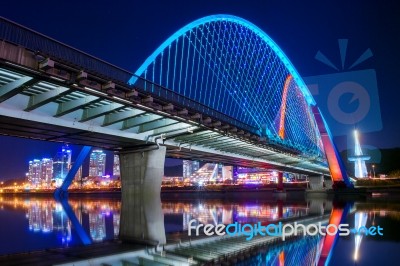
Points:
(34, 223)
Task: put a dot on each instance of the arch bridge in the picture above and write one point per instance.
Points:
(219, 89)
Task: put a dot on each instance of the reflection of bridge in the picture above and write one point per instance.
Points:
(311, 250)
(100, 216)
(217, 90)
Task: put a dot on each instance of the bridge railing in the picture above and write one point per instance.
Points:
(180, 100)
(46, 46)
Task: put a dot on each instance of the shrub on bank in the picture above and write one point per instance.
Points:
(377, 182)
(395, 173)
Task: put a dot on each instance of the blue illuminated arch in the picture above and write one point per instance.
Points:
(237, 20)
(229, 64)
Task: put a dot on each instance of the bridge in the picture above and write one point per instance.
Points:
(218, 90)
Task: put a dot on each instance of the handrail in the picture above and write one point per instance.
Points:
(22, 36)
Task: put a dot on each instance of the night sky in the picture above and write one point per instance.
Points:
(124, 33)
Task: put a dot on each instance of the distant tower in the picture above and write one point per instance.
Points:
(97, 164)
(116, 167)
(46, 171)
(186, 168)
(360, 169)
(190, 167)
(34, 173)
(195, 166)
(62, 164)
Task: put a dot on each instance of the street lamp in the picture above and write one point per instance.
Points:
(373, 169)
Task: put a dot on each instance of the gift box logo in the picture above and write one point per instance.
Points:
(348, 98)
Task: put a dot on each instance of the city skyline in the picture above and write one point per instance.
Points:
(277, 113)
(50, 172)
(308, 22)
(50, 152)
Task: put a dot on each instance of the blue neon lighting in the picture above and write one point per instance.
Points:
(232, 66)
(237, 20)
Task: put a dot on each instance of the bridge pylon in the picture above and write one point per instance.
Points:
(142, 219)
(62, 191)
(337, 169)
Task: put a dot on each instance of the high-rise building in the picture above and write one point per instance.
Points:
(34, 173)
(186, 168)
(227, 172)
(116, 167)
(40, 172)
(46, 172)
(61, 165)
(195, 166)
(190, 167)
(97, 164)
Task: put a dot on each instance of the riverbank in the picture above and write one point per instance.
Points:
(232, 191)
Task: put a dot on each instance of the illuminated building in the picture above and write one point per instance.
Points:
(34, 173)
(97, 164)
(61, 165)
(256, 176)
(189, 167)
(46, 172)
(227, 172)
(116, 167)
(40, 172)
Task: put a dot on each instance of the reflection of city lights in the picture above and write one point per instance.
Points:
(355, 256)
(48, 217)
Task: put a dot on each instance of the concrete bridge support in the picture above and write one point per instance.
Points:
(316, 182)
(142, 219)
(280, 182)
(328, 182)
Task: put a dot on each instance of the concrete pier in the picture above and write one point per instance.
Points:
(316, 182)
(141, 213)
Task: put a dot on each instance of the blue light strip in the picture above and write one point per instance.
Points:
(230, 65)
(238, 20)
(83, 236)
(74, 169)
(302, 251)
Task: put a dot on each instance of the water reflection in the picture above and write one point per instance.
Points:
(100, 218)
(38, 222)
(360, 220)
(47, 220)
(300, 251)
(217, 212)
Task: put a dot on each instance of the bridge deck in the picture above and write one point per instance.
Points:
(45, 94)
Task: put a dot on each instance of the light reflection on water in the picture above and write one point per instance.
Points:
(44, 221)
(34, 223)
